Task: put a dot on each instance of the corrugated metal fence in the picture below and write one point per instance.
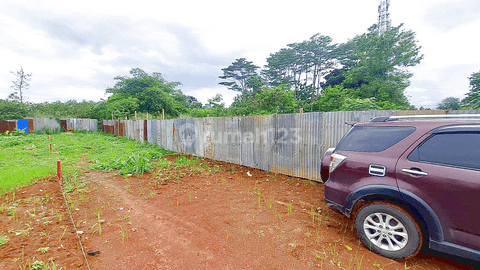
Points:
(292, 144)
(37, 124)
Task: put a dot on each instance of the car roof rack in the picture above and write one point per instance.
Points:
(426, 117)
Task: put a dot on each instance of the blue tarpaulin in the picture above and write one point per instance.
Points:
(23, 125)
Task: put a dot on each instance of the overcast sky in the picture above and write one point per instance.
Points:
(75, 48)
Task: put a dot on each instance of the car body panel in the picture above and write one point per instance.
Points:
(452, 193)
(446, 200)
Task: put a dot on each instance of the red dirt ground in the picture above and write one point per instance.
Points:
(182, 219)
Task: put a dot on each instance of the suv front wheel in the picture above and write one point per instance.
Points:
(388, 230)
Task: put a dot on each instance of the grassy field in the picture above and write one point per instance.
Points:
(24, 159)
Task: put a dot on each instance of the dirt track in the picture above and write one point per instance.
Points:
(179, 219)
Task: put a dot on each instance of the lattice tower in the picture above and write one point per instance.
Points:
(384, 22)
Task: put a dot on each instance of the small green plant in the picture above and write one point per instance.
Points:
(64, 227)
(37, 265)
(259, 197)
(270, 202)
(377, 265)
(289, 208)
(3, 240)
(312, 213)
(98, 213)
(359, 262)
(43, 250)
(59, 216)
(52, 266)
(24, 231)
(123, 234)
(12, 211)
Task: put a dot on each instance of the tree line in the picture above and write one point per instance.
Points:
(369, 72)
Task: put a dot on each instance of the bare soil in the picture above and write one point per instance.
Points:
(182, 219)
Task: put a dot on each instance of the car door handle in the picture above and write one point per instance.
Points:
(416, 172)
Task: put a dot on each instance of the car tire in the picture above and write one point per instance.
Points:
(388, 230)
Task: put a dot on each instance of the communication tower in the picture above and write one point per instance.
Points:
(384, 22)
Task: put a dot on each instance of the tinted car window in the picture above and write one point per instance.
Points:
(457, 149)
(373, 139)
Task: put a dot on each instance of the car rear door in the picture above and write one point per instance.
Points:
(444, 171)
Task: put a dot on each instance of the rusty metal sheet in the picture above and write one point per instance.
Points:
(7, 125)
(30, 126)
(422, 112)
(63, 123)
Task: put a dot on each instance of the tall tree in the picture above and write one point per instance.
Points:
(302, 65)
(382, 63)
(237, 74)
(152, 92)
(472, 100)
(19, 85)
(449, 103)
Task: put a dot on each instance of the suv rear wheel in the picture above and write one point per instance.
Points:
(388, 230)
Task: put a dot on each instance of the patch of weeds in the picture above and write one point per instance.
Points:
(163, 163)
(184, 161)
(150, 195)
(215, 169)
(136, 164)
(71, 182)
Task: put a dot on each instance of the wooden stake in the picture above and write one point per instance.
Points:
(163, 113)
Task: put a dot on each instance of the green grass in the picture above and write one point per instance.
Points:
(23, 159)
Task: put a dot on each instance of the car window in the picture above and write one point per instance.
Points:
(451, 149)
(373, 139)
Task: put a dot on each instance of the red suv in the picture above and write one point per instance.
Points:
(407, 181)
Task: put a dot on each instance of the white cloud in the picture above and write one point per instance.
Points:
(75, 49)
(204, 93)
